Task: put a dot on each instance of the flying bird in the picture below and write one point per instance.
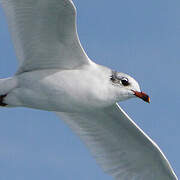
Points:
(55, 74)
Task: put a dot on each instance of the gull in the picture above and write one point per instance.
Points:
(55, 74)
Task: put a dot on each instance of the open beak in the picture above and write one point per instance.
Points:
(142, 95)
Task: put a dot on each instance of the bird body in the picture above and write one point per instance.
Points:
(62, 90)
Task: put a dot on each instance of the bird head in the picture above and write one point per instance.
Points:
(127, 87)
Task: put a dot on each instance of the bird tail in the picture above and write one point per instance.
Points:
(7, 84)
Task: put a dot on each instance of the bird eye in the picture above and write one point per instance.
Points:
(125, 81)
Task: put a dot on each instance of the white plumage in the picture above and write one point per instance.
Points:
(55, 74)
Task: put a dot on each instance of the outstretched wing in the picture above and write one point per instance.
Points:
(44, 34)
(120, 147)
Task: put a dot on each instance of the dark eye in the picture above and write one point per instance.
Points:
(125, 81)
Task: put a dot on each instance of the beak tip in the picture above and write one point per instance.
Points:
(143, 96)
(148, 100)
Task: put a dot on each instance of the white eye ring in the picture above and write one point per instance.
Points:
(125, 81)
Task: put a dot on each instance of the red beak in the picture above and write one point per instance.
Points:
(142, 95)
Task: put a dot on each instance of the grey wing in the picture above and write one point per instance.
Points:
(44, 34)
(120, 147)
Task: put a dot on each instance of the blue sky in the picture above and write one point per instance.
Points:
(141, 38)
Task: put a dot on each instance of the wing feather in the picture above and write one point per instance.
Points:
(44, 34)
(120, 147)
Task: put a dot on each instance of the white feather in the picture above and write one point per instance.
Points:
(120, 147)
(44, 34)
